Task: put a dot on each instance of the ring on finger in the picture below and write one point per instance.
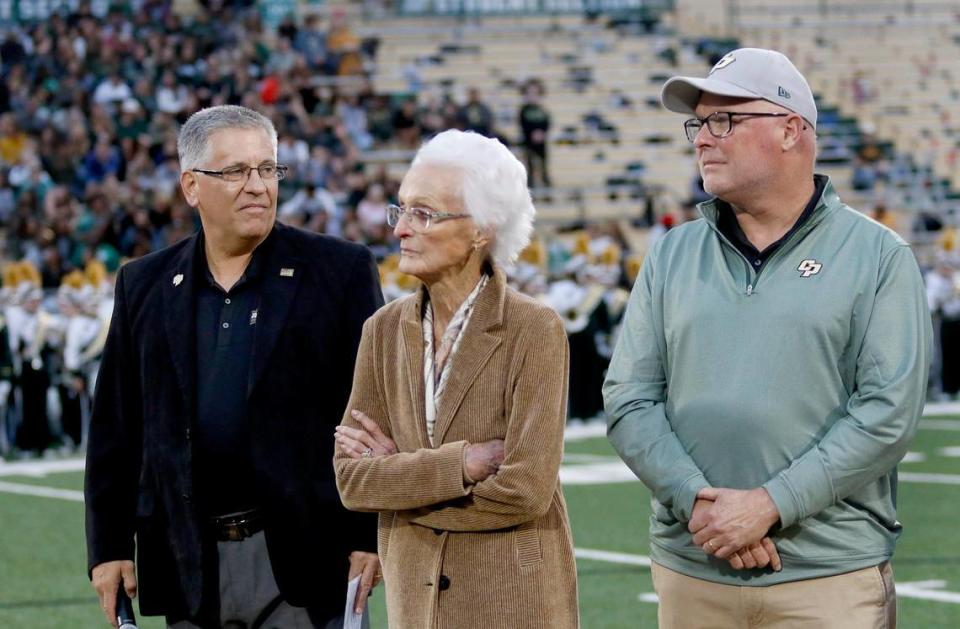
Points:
(367, 453)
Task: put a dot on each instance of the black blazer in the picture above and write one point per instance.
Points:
(138, 481)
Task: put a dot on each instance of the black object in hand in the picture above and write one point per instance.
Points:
(125, 617)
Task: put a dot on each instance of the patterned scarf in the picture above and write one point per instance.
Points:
(436, 365)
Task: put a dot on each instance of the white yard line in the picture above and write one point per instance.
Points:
(927, 590)
(939, 424)
(42, 492)
(934, 409)
(585, 431)
(39, 468)
(612, 557)
(936, 479)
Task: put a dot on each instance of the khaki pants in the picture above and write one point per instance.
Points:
(865, 599)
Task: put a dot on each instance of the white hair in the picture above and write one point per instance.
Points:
(193, 142)
(494, 187)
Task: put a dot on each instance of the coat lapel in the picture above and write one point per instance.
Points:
(480, 339)
(179, 304)
(413, 350)
(282, 272)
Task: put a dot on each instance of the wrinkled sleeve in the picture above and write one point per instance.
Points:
(634, 393)
(882, 412)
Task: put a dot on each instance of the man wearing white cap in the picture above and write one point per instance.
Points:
(770, 373)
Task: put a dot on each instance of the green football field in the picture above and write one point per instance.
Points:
(42, 558)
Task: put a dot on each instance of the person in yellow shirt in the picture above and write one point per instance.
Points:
(12, 140)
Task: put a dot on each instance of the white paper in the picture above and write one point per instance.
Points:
(352, 620)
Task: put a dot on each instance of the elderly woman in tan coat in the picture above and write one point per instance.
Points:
(454, 431)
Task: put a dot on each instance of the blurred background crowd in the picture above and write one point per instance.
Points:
(93, 94)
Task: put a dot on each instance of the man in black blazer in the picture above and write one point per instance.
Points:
(228, 364)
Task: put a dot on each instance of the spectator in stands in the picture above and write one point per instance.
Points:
(885, 217)
(103, 160)
(475, 115)
(406, 124)
(372, 210)
(314, 209)
(172, 98)
(282, 58)
(344, 45)
(204, 426)
(810, 302)
(354, 118)
(484, 435)
(311, 42)
(534, 127)
(293, 151)
(13, 141)
(864, 175)
(112, 91)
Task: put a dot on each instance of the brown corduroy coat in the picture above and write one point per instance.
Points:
(497, 554)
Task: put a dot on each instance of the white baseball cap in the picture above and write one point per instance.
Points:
(745, 73)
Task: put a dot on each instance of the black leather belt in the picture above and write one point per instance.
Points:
(235, 527)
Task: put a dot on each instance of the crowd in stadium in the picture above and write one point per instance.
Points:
(90, 108)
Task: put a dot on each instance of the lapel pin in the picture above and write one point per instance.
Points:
(177, 279)
(286, 272)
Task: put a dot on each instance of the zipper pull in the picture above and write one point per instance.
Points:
(749, 290)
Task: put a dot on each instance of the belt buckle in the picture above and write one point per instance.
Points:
(235, 532)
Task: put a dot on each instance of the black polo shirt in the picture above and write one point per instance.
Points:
(729, 226)
(226, 322)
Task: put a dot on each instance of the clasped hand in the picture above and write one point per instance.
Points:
(732, 524)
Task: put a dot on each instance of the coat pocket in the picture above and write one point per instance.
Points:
(526, 540)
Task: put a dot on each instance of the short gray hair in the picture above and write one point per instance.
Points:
(193, 142)
(494, 187)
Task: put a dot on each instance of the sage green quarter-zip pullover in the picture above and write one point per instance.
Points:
(806, 378)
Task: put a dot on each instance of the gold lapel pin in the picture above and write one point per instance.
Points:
(286, 272)
(177, 279)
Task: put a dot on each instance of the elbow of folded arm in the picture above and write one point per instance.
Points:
(525, 499)
(350, 496)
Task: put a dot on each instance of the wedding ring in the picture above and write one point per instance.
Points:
(367, 453)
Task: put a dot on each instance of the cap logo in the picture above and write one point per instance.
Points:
(782, 93)
(724, 62)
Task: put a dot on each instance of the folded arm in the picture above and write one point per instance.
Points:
(398, 481)
(524, 486)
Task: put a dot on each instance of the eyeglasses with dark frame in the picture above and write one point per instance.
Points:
(720, 123)
(418, 217)
(268, 172)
